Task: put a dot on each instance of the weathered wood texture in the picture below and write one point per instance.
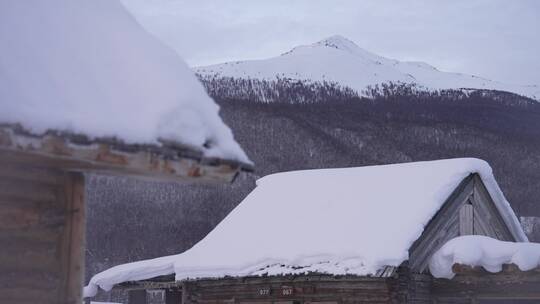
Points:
(300, 289)
(173, 296)
(469, 210)
(74, 238)
(137, 296)
(471, 285)
(409, 287)
(108, 156)
(441, 228)
(475, 285)
(403, 287)
(41, 233)
(487, 218)
(466, 219)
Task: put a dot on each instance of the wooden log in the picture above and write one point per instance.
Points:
(477, 283)
(137, 296)
(173, 296)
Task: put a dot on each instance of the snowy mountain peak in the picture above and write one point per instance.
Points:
(339, 42)
(339, 60)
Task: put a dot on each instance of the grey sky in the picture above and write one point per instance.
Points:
(496, 39)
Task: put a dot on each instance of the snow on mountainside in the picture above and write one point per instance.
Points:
(337, 59)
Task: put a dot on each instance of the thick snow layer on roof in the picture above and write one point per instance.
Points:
(88, 67)
(336, 221)
(491, 254)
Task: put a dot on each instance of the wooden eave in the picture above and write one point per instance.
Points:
(168, 281)
(168, 162)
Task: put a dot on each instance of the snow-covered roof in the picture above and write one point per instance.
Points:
(87, 67)
(491, 254)
(336, 221)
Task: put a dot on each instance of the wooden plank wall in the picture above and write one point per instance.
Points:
(41, 233)
(487, 219)
(441, 228)
(300, 289)
(475, 285)
(466, 219)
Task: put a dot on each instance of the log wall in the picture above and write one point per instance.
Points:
(41, 232)
(475, 285)
(402, 287)
(303, 289)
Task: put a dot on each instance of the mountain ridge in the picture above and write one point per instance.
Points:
(339, 60)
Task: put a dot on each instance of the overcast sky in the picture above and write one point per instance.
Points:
(496, 39)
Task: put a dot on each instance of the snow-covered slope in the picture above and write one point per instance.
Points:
(88, 67)
(340, 60)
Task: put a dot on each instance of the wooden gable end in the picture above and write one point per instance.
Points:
(469, 210)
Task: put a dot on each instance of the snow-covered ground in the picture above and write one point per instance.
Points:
(336, 221)
(491, 254)
(88, 67)
(340, 60)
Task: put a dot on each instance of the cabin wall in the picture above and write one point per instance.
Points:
(41, 232)
(469, 210)
(302, 289)
(478, 286)
(486, 218)
(469, 286)
(409, 287)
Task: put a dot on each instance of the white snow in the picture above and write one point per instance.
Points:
(491, 254)
(88, 67)
(340, 60)
(336, 221)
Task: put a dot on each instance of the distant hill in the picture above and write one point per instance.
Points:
(339, 60)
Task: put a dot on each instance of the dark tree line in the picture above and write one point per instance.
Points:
(320, 127)
(284, 90)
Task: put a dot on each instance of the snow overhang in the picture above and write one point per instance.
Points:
(169, 161)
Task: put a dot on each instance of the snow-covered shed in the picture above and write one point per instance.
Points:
(83, 88)
(352, 235)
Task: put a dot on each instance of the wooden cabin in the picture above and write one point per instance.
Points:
(473, 205)
(42, 214)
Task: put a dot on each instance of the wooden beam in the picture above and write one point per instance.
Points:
(74, 237)
(169, 163)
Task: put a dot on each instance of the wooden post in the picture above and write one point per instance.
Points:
(466, 218)
(173, 296)
(137, 296)
(74, 237)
